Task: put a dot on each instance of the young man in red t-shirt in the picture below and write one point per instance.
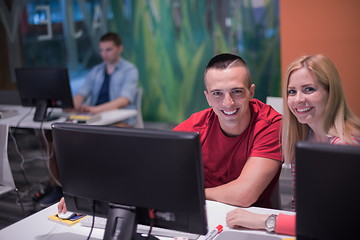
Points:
(240, 136)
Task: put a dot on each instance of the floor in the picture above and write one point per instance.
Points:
(32, 176)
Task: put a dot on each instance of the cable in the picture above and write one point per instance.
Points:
(21, 119)
(21, 163)
(18, 149)
(21, 203)
(152, 218)
(48, 155)
(21, 158)
(93, 219)
(17, 146)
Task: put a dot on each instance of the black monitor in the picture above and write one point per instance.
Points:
(42, 88)
(327, 191)
(137, 176)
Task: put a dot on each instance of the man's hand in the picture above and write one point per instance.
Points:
(92, 109)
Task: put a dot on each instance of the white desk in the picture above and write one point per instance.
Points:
(24, 119)
(38, 227)
(107, 118)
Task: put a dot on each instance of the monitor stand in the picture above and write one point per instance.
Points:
(41, 112)
(121, 224)
(139, 236)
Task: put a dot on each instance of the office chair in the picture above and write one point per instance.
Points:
(276, 103)
(275, 198)
(285, 186)
(139, 119)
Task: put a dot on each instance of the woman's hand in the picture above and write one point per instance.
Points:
(62, 206)
(243, 218)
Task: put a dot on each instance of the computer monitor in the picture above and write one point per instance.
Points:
(327, 191)
(42, 88)
(151, 177)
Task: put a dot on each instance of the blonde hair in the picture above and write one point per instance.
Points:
(339, 119)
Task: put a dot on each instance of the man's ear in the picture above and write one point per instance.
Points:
(120, 49)
(207, 97)
(252, 90)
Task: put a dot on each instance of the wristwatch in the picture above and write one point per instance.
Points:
(270, 223)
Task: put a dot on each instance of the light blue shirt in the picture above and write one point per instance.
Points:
(123, 83)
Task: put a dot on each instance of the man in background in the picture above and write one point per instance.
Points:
(111, 84)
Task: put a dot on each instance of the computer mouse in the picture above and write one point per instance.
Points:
(66, 215)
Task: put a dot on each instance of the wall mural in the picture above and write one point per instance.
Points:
(171, 42)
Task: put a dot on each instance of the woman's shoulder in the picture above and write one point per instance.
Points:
(338, 140)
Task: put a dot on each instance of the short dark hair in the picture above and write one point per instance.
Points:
(226, 60)
(111, 36)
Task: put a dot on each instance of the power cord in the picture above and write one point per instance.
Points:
(93, 219)
(152, 219)
(20, 201)
(22, 159)
(48, 155)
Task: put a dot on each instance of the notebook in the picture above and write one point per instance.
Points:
(83, 117)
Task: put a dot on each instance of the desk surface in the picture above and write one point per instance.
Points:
(37, 226)
(25, 115)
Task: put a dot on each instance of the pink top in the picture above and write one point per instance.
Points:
(286, 224)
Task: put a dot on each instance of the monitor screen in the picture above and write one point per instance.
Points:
(327, 191)
(42, 88)
(155, 177)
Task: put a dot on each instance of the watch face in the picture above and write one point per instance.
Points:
(270, 223)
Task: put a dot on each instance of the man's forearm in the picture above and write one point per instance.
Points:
(229, 195)
(78, 101)
(114, 104)
(247, 188)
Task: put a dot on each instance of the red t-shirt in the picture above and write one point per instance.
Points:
(224, 157)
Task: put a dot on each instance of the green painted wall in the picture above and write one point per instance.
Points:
(171, 42)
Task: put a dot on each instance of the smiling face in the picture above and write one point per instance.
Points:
(228, 93)
(307, 98)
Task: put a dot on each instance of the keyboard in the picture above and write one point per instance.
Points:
(101, 223)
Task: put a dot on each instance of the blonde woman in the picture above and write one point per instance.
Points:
(315, 110)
